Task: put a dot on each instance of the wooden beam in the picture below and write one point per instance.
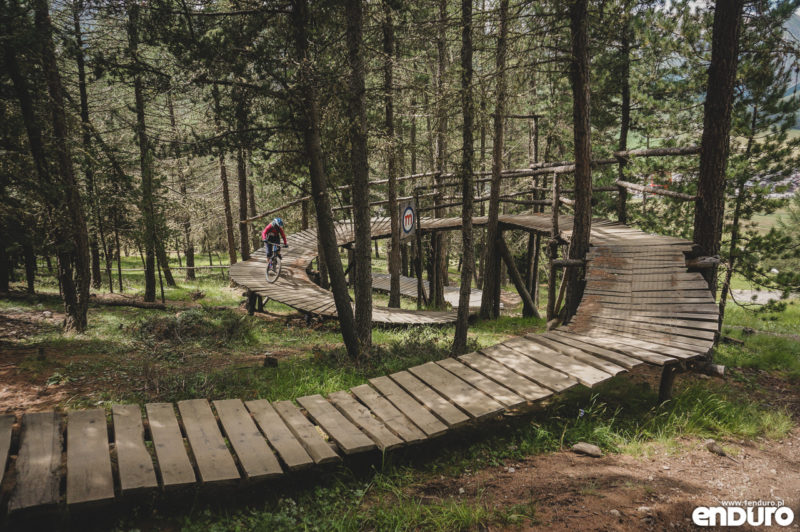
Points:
(568, 263)
(657, 191)
(516, 278)
(560, 167)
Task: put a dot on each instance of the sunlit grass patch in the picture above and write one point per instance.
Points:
(764, 352)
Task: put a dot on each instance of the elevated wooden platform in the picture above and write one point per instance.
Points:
(641, 306)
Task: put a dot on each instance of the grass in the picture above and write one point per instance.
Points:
(138, 355)
(765, 222)
(785, 322)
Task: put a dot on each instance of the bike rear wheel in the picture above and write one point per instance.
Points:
(273, 271)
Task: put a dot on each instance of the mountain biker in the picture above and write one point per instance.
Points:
(270, 236)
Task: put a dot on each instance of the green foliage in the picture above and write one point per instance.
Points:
(218, 326)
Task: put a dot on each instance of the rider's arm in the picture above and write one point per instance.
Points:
(265, 231)
(283, 235)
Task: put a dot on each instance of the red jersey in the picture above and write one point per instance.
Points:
(275, 230)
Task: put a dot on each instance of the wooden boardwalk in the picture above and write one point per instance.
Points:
(641, 306)
(295, 289)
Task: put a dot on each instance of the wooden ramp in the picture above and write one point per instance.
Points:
(296, 289)
(641, 306)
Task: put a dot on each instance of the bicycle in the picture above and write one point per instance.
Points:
(273, 269)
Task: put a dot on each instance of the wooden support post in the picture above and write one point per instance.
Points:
(667, 380)
(569, 263)
(260, 304)
(251, 302)
(622, 204)
(533, 279)
(350, 261)
(529, 309)
(553, 254)
(421, 299)
(529, 261)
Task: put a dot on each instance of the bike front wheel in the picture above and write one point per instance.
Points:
(273, 269)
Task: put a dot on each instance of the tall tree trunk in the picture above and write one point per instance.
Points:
(163, 261)
(88, 169)
(223, 177)
(490, 303)
(251, 209)
(119, 251)
(391, 156)
(733, 249)
(467, 162)
(362, 268)
(30, 263)
(710, 206)
(73, 250)
(241, 173)
(5, 274)
(625, 118)
(582, 219)
(309, 123)
(481, 266)
(186, 222)
(439, 238)
(147, 204)
(94, 261)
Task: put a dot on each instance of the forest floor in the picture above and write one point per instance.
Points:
(517, 473)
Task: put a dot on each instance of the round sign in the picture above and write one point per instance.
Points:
(408, 219)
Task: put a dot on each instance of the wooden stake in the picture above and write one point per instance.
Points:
(553, 252)
(530, 308)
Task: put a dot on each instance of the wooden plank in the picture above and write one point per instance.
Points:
(692, 329)
(89, 477)
(499, 393)
(38, 464)
(441, 407)
(527, 367)
(473, 401)
(409, 406)
(135, 465)
(306, 433)
(526, 388)
(661, 333)
(661, 344)
(360, 416)
(255, 456)
(346, 435)
(614, 367)
(6, 428)
(610, 348)
(173, 461)
(288, 447)
(388, 413)
(584, 373)
(214, 461)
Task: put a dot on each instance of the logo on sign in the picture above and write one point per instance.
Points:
(408, 219)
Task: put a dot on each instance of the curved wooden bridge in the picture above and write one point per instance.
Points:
(640, 306)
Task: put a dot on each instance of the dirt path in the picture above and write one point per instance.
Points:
(622, 492)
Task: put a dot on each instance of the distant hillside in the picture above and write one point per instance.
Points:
(792, 29)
